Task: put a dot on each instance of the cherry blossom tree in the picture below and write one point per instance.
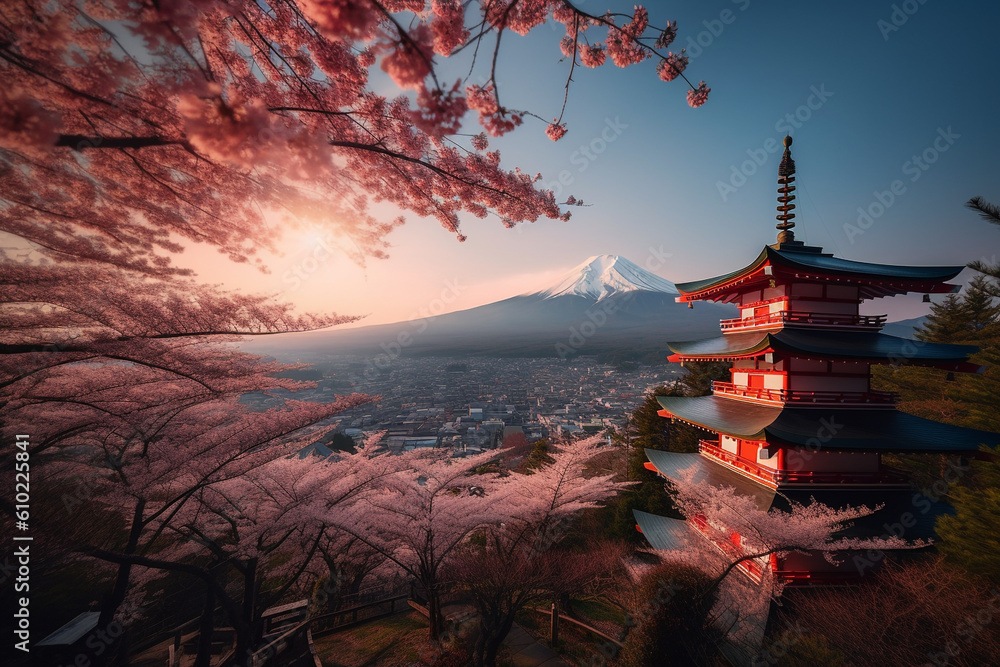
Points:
(519, 561)
(258, 517)
(130, 130)
(141, 124)
(424, 512)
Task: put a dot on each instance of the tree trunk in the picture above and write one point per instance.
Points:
(496, 639)
(205, 629)
(479, 651)
(246, 636)
(434, 613)
(115, 598)
(565, 604)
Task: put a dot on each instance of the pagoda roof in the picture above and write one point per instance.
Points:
(805, 261)
(860, 345)
(664, 533)
(839, 429)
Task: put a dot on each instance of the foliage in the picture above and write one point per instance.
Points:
(700, 375)
(539, 455)
(132, 130)
(971, 536)
(913, 612)
(672, 625)
(958, 398)
(964, 319)
(522, 559)
(990, 213)
(648, 430)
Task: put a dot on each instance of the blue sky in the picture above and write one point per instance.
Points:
(866, 98)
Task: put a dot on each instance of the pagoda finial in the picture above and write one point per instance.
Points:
(786, 176)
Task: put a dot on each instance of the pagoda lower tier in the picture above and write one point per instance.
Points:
(899, 510)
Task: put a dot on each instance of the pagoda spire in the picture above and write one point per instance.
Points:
(786, 177)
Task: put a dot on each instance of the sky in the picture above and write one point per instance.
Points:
(892, 106)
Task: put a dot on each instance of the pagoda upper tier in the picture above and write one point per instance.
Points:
(782, 264)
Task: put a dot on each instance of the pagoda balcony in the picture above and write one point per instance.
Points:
(804, 398)
(780, 478)
(795, 318)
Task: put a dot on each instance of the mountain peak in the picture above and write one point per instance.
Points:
(601, 276)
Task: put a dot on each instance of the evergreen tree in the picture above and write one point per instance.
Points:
(945, 323)
(991, 214)
(701, 374)
(971, 536)
(979, 307)
(962, 319)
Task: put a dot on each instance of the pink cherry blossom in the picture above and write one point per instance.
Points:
(671, 67)
(480, 142)
(592, 55)
(699, 96)
(555, 131)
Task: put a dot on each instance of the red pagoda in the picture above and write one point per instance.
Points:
(798, 419)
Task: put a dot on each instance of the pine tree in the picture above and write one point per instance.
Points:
(945, 323)
(991, 214)
(979, 307)
(971, 536)
(701, 374)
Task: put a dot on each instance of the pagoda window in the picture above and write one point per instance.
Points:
(774, 381)
(729, 444)
(748, 298)
(768, 462)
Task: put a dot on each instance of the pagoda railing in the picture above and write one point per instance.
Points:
(800, 397)
(774, 477)
(802, 318)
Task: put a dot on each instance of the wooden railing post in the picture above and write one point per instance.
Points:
(554, 628)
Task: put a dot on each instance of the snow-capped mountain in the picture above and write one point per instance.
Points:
(607, 304)
(603, 275)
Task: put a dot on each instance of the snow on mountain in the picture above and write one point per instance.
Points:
(604, 275)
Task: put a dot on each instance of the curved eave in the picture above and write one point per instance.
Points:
(697, 468)
(740, 419)
(835, 429)
(826, 344)
(663, 533)
(810, 263)
(719, 286)
(830, 265)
